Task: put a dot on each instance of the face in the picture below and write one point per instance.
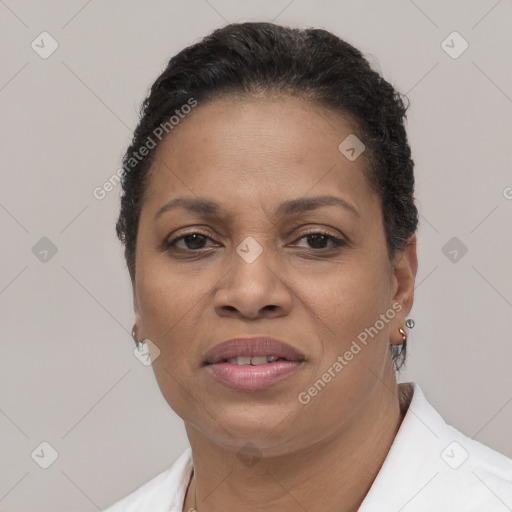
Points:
(315, 275)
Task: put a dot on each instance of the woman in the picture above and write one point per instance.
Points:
(269, 228)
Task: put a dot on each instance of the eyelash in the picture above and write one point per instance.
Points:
(336, 241)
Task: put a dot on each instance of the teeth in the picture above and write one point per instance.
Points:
(256, 360)
(259, 360)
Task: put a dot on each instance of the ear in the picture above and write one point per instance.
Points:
(405, 266)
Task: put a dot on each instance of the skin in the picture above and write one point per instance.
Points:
(249, 155)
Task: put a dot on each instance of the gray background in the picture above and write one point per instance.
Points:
(68, 373)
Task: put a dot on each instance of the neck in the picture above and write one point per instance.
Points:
(335, 474)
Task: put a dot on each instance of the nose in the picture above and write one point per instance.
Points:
(253, 290)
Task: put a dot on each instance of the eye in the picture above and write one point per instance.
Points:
(192, 241)
(318, 239)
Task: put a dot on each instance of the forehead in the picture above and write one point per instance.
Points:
(265, 147)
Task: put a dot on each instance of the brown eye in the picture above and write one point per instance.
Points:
(320, 240)
(193, 241)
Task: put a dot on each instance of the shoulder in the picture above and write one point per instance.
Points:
(434, 466)
(482, 475)
(160, 494)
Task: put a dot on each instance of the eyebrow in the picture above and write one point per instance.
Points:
(293, 206)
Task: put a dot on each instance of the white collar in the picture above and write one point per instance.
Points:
(431, 466)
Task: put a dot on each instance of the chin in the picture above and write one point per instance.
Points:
(267, 428)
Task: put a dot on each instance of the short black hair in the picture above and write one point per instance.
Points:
(264, 59)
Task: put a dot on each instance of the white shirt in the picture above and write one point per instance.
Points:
(430, 467)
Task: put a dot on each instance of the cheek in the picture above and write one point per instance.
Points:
(168, 312)
(344, 311)
(169, 305)
(346, 300)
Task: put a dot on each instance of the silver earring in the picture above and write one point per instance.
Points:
(134, 336)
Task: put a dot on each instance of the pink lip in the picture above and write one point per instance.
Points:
(252, 377)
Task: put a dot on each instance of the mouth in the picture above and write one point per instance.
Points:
(252, 360)
(252, 363)
(252, 350)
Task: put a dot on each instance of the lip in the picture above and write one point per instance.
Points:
(252, 377)
(252, 346)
